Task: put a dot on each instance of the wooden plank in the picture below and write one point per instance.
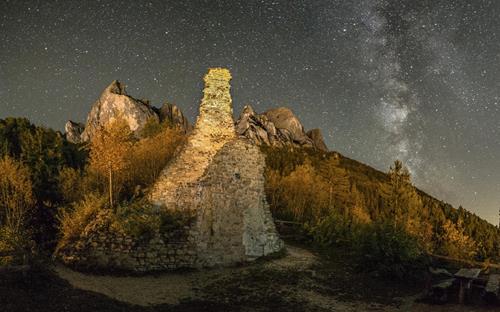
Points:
(440, 272)
(468, 274)
(444, 284)
(493, 284)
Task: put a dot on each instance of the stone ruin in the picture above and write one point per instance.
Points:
(218, 179)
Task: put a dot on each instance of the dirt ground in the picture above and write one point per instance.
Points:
(298, 281)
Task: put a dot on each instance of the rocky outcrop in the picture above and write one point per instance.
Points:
(173, 115)
(277, 127)
(317, 138)
(115, 103)
(74, 131)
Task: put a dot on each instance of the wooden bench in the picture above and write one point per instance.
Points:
(465, 277)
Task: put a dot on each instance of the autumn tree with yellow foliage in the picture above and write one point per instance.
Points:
(109, 153)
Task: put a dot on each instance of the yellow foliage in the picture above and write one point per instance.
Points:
(456, 243)
(304, 192)
(150, 155)
(109, 154)
(360, 215)
(16, 197)
(74, 220)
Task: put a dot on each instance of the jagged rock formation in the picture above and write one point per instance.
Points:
(74, 131)
(173, 114)
(317, 137)
(220, 178)
(277, 127)
(113, 103)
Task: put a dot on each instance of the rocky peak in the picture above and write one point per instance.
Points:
(174, 116)
(74, 131)
(317, 137)
(114, 103)
(116, 87)
(277, 127)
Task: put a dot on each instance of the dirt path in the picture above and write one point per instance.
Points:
(172, 288)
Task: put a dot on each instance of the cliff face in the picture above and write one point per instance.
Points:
(277, 127)
(115, 103)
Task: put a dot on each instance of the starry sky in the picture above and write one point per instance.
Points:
(403, 79)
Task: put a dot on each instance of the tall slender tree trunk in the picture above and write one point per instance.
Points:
(111, 188)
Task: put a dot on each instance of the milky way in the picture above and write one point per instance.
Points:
(384, 80)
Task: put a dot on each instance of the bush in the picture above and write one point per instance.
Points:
(74, 220)
(17, 242)
(333, 230)
(16, 207)
(390, 251)
(139, 219)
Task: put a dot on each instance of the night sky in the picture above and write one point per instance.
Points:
(413, 80)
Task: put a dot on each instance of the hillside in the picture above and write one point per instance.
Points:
(353, 189)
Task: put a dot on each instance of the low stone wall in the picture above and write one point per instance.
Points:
(101, 246)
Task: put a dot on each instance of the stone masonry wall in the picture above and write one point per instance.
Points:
(214, 128)
(103, 247)
(234, 223)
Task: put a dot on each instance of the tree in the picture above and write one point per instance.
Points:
(404, 201)
(109, 151)
(455, 243)
(16, 204)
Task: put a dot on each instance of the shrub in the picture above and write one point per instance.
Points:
(390, 251)
(17, 242)
(16, 197)
(333, 230)
(74, 219)
(139, 219)
(16, 206)
(150, 155)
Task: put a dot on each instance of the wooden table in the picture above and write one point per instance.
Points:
(465, 276)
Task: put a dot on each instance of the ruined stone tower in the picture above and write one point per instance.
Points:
(217, 179)
(214, 128)
(220, 178)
